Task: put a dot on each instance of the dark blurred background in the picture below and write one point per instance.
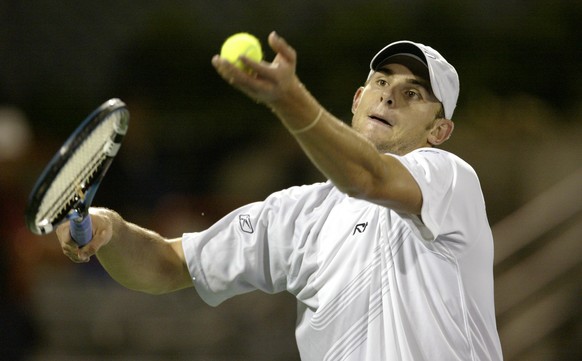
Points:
(196, 149)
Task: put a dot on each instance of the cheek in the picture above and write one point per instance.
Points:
(358, 112)
(363, 97)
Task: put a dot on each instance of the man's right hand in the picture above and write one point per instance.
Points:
(102, 232)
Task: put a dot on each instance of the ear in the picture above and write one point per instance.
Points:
(441, 131)
(357, 98)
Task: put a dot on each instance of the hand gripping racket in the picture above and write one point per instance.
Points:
(66, 187)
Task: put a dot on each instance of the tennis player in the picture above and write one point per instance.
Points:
(391, 259)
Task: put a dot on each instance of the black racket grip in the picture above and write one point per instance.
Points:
(82, 231)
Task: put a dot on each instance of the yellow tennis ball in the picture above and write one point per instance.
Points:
(241, 44)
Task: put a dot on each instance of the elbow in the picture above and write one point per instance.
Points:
(154, 292)
(358, 190)
(157, 284)
(405, 198)
(142, 287)
(361, 185)
(150, 290)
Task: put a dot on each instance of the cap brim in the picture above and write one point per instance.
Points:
(403, 47)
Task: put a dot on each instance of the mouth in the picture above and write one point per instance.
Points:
(379, 119)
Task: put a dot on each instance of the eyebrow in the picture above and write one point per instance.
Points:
(414, 81)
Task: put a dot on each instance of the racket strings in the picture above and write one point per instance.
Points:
(75, 192)
(77, 174)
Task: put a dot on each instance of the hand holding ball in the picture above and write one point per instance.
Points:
(241, 44)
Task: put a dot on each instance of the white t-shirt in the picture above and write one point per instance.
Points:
(371, 284)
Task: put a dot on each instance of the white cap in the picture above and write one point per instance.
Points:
(444, 79)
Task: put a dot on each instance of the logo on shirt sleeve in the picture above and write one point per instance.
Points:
(245, 223)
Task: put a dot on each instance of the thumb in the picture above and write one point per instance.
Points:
(280, 46)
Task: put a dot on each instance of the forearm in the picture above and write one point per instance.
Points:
(140, 259)
(345, 157)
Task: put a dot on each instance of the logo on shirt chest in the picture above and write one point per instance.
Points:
(360, 228)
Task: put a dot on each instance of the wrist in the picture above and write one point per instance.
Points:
(107, 224)
(309, 126)
(297, 109)
(294, 94)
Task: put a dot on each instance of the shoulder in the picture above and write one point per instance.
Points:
(449, 185)
(303, 196)
(441, 175)
(433, 162)
(320, 189)
(436, 155)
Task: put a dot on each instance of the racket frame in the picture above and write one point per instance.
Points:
(77, 209)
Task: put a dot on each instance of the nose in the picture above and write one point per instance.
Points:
(386, 98)
(387, 95)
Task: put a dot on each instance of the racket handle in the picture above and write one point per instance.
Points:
(82, 231)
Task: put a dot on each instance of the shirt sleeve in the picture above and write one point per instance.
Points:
(435, 171)
(254, 247)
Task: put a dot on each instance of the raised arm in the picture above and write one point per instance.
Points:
(345, 157)
(136, 258)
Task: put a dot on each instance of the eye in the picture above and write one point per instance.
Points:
(413, 94)
(381, 82)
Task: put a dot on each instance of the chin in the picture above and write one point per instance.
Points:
(382, 147)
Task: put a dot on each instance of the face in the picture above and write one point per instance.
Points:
(396, 110)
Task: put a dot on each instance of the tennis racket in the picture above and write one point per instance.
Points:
(66, 187)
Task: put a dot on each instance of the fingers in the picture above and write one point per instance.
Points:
(101, 235)
(255, 72)
(228, 71)
(256, 84)
(265, 82)
(68, 245)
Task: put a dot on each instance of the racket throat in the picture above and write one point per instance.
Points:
(78, 214)
(82, 199)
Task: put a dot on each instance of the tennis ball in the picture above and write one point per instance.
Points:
(241, 44)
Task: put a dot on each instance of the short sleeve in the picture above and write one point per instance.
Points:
(435, 172)
(256, 246)
(233, 256)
